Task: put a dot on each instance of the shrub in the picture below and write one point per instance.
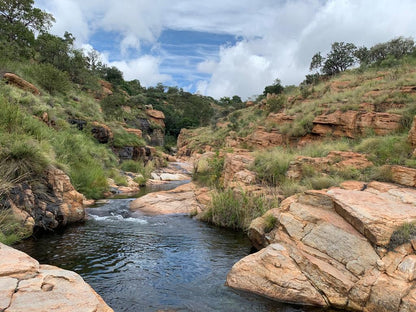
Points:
(236, 210)
(276, 103)
(402, 235)
(389, 149)
(22, 156)
(271, 166)
(270, 222)
(208, 171)
(50, 78)
(11, 230)
(138, 167)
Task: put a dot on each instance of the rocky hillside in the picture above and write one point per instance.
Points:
(323, 179)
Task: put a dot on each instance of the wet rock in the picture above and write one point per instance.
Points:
(181, 200)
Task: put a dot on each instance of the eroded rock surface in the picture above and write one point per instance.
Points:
(26, 286)
(179, 200)
(56, 205)
(353, 123)
(328, 248)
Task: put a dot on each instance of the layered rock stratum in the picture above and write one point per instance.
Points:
(331, 248)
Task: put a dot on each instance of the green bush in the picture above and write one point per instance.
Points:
(271, 166)
(22, 156)
(402, 235)
(236, 211)
(388, 149)
(11, 230)
(270, 222)
(50, 78)
(138, 167)
(208, 171)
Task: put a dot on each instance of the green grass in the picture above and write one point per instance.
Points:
(122, 138)
(11, 229)
(271, 166)
(388, 149)
(236, 210)
(208, 171)
(402, 235)
(139, 167)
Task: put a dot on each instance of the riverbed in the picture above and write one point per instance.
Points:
(152, 263)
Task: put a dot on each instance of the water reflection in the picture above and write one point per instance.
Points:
(150, 263)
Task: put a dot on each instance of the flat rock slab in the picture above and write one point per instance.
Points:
(377, 211)
(271, 272)
(180, 200)
(26, 286)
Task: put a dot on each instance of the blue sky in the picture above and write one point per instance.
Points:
(224, 47)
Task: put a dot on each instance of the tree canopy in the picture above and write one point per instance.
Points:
(19, 21)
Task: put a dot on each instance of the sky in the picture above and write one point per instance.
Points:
(224, 47)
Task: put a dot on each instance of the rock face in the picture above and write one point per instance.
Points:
(353, 123)
(156, 116)
(19, 82)
(328, 249)
(136, 132)
(261, 138)
(179, 200)
(26, 286)
(236, 170)
(403, 175)
(336, 160)
(102, 133)
(412, 135)
(57, 205)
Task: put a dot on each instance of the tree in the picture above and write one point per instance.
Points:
(339, 58)
(19, 21)
(275, 88)
(316, 62)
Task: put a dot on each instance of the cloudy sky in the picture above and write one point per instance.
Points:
(225, 47)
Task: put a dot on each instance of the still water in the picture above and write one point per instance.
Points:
(152, 263)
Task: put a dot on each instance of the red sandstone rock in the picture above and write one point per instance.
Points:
(19, 82)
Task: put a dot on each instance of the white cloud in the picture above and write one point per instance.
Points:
(279, 37)
(145, 68)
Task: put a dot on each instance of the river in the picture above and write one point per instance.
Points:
(152, 263)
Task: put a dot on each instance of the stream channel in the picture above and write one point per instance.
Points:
(152, 263)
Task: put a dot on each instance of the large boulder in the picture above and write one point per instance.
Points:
(19, 82)
(181, 200)
(156, 116)
(328, 248)
(26, 286)
(237, 171)
(263, 138)
(56, 204)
